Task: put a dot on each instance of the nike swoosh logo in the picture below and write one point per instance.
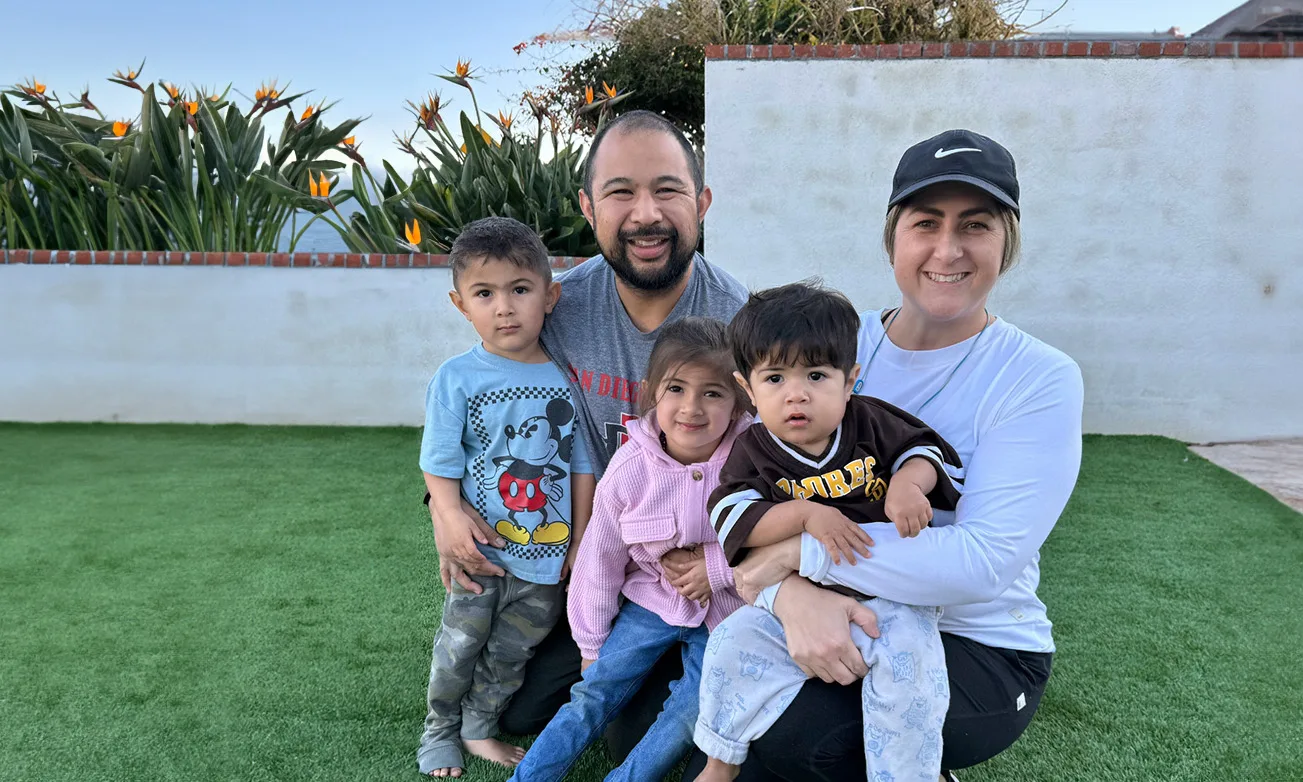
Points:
(948, 152)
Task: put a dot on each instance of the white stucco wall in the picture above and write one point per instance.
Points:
(223, 345)
(1162, 212)
(1163, 222)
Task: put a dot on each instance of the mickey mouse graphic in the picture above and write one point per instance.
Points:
(526, 478)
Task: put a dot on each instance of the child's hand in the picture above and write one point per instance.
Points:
(685, 569)
(838, 534)
(569, 564)
(907, 507)
(583, 665)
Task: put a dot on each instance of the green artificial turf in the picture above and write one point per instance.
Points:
(257, 603)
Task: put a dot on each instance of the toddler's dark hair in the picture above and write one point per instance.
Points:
(803, 322)
(500, 239)
(699, 341)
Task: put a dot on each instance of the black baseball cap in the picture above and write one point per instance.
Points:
(957, 156)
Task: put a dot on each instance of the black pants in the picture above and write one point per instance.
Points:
(554, 669)
(820, 736)
(993, 695)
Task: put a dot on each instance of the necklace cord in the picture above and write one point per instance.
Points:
(865, 371)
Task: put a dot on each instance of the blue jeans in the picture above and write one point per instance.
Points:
(637, 641)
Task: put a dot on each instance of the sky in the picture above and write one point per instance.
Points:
(1130, 15)
(370, 56)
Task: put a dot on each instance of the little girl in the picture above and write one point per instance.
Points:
(650, 502)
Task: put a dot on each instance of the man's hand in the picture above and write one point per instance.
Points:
(685, 569)
(817, 624)
(765, 566)
(838, 534)
(455, 535)
(907, 507)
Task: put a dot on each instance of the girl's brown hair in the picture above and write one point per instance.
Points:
(699, 341)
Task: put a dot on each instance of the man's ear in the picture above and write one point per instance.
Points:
(703, 203)
(742, 381)
(553, 295)
(457, 302)
(586, 206)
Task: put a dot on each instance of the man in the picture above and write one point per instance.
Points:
(645, 198)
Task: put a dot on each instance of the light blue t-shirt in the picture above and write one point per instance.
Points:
(506, 431)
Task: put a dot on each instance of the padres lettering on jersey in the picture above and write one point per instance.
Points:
(874, 439)
(837, 483)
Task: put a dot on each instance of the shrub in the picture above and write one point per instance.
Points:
(486, 174)
(189, 173)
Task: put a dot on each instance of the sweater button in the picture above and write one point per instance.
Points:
(696, 475)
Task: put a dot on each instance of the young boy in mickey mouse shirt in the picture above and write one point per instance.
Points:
(499, 436)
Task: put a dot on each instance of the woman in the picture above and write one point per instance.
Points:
(1011, 407)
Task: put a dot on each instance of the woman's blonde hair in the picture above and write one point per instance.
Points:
(1012, 234)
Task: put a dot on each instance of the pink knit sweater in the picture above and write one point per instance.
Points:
(647, 504)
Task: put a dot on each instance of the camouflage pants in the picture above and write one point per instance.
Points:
(479, 660)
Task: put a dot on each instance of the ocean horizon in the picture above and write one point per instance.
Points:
(319, 238)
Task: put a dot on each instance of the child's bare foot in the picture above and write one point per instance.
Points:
(440, 757)
(494, 751)
(717, 770)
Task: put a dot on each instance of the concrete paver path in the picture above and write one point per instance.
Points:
(1274, 465)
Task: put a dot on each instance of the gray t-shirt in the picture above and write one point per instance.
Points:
(591, 338)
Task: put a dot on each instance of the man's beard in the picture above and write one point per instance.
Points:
(652, 280)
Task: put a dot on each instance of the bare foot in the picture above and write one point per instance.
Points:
(494, 751)
(717, 770)
(454, 771)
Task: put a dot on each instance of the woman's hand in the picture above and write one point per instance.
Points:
(765, 566)
(817, 624)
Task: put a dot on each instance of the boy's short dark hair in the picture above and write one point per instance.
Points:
(803, 322)
(501, 239)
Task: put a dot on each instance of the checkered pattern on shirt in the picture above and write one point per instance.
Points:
(476, 407)
(536, 550)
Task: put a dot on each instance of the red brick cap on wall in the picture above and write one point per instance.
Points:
(278, 260)
(272, 260)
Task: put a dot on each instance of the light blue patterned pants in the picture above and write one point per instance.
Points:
(748, 680)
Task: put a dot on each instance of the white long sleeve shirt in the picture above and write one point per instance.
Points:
(1013, 413)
